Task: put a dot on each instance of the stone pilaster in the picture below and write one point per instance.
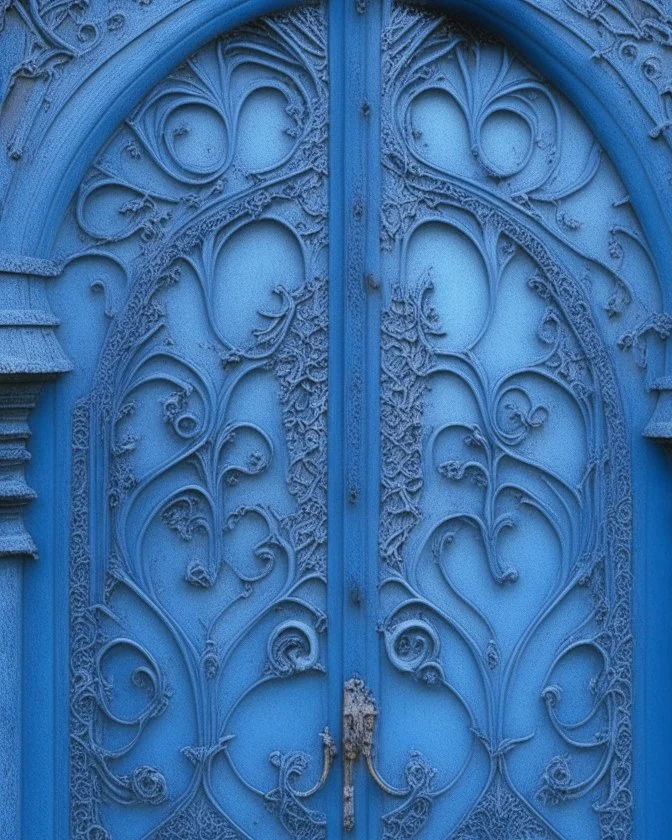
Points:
(29, 355)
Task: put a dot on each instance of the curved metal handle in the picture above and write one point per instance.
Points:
(286, 801)
(382, 784)
(359, 720)
(359, 715)
(328, 755)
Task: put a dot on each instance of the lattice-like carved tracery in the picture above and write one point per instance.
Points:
(506, 514)
(199, 511)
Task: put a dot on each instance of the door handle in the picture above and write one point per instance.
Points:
(359, 715)
(359, 720)
(328, 755)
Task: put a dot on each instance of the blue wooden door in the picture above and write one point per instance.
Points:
(199, 522)
(350, 468)
(504, 556)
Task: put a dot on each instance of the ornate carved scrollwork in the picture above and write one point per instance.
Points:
(286, 801)
(471, 455)
(199, 571)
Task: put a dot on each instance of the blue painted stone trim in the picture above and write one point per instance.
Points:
(34, 266)
(10, 707)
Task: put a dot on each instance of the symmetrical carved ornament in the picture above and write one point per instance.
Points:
(49, 49)
(191, 455)
(62, 42)
(457, 492)
(153, 383)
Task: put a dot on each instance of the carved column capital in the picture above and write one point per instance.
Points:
(17, 400)
(29, 355)
(28, 344)
(659, 427)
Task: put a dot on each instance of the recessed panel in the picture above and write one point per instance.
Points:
(198, 537)
(504, 589)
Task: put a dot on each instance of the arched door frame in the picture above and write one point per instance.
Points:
(60, 147)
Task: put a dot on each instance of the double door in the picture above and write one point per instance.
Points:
(350, 494)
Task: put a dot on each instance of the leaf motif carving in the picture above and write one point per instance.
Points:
(216, 505)
(461, 496)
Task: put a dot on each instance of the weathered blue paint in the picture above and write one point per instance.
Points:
(622, 105)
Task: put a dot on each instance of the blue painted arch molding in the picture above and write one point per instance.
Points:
(100, 99)
(616, 117)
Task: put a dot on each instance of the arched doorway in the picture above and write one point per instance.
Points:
(425, 483)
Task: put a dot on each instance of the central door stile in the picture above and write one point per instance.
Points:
(354, 465)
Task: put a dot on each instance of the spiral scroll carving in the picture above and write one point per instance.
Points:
(459, 492)
(212, 515)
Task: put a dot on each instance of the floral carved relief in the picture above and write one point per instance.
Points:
(482, 516)
(198, 563)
